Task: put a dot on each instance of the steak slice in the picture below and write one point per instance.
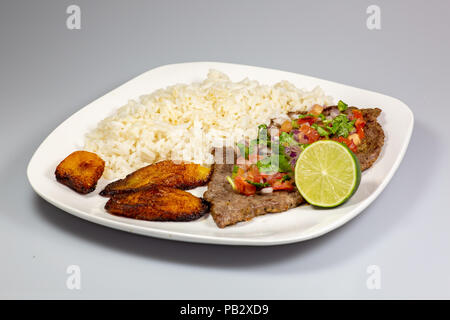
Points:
(370, 148)
(229, 207)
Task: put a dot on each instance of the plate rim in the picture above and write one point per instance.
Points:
(207, 239)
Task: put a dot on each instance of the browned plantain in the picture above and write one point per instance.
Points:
(158, 204)
(164, 173)
(80, 171)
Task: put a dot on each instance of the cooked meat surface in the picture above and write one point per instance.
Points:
(80, 171)
(164, 173)
(157, 203)
(370, 147)
(229, 207)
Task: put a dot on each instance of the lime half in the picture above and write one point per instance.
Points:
(327, 173)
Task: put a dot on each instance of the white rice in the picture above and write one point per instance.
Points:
(185, 121)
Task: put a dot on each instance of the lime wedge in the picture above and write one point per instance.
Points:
(327, 173)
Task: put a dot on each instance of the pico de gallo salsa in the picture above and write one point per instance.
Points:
(266, 164)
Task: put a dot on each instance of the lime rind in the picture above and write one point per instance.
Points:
(327, 173)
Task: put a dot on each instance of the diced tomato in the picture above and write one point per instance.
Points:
(240, 171)
(285, 185)
(348, 142)
(359, 122)
(253, 170)
(357, 114)
(254, 175)
(308, 119)
(359, 125)
(243, 186)
(271, 178)
(311, 134)
(360, 132)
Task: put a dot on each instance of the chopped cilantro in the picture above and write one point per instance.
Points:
(323, 131)
(287, 138)
(274, 163)
(341, 126)
(265, 165)
(342, 106)
(235, 171)
(306, 116)
(320, 130)
(258, 185)
(326, 122)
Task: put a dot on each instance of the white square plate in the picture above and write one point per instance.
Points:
(295, 225)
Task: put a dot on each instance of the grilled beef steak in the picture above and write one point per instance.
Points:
(229, 207)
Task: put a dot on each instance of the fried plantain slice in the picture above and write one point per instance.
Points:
(164, 173)
(80, 171)
(158, 204)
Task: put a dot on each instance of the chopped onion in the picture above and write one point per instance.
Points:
(292, 151)
(301, 138)
(293, 161)
(267, 190)
(334, 112)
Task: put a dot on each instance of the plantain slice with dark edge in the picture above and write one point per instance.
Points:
(158, 204)
(164, 173)
(80, 171)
